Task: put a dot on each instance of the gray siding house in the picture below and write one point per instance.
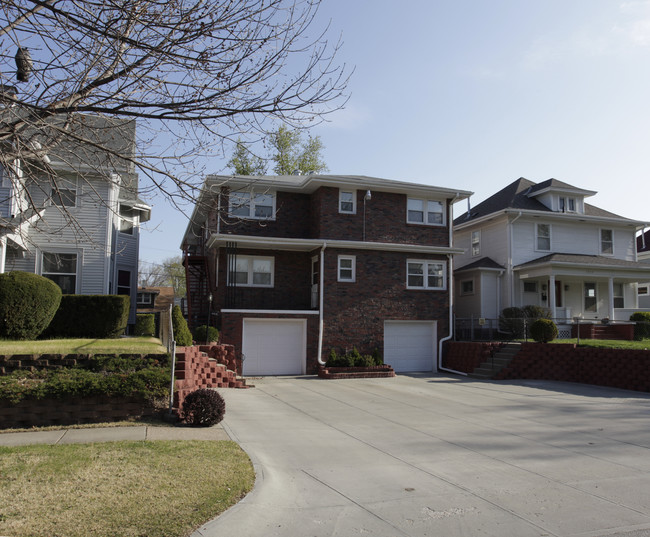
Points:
(71, 213)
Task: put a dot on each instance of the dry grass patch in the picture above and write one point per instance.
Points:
(125, 489)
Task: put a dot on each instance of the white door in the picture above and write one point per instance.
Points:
(410, 345)
(274, 346)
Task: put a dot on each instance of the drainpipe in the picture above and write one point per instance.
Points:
(219, 213)
(321, 293)
(3, 253)
(450, 257)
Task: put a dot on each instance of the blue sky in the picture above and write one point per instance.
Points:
(474, 94)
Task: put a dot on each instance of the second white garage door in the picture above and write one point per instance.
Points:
(410, 345)
(274, 346)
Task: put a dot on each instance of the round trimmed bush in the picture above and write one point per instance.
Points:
(203, 407)
(543, 330)
(28, 302)
(204, 333)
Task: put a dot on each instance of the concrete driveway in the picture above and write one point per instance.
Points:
(439, 456)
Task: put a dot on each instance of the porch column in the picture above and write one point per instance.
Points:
(610, 291)
(3, 253)
(551, 296)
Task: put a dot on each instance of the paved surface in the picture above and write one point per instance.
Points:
(439, 456)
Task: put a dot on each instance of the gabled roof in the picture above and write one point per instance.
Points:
(520, 195)
(485, 263)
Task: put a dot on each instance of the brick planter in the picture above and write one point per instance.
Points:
(377, 371)
(44, 412)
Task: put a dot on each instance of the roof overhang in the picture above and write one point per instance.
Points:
(217, 240)
(140, 206)
(630, 271)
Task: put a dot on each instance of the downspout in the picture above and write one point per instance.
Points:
(451, 294)
(321, 293)
(219, 213)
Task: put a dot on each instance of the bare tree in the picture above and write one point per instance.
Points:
(193, 73)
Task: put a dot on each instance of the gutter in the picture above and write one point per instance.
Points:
(321, 293)
(451, 294)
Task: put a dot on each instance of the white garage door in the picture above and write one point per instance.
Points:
(410, 345)
(274, 346)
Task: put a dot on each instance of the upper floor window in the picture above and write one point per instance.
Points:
(347, 201)
(128, 219)
(145, 299)
(61, 268)
(476, 243)
(606, 241)
(543, 237)
(422, 274)
(347, 268)
(64, 197)
(253, 271)
(567, 204)
(260, 205)
(421, 211)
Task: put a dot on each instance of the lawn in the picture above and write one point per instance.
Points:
(125, 489)
(124, 345)
(608, 343)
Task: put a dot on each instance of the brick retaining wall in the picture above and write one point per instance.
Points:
(465, 357)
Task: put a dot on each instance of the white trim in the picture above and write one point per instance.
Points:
(353, 268)
(471, 242)
(275, 312)
(252, 205)
(354, 201)
(251, 272)
(425, 286)
(425, 212)
(600, 241)
(537, 237)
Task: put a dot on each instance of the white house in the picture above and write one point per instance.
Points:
(541, 244)
(78, 224)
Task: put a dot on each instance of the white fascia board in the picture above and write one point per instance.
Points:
(276, 243)
(552, 265)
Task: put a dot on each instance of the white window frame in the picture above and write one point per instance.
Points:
(463, 291)
(250, 278)
(251, 205)
(643, 289)
(140, 295)
(425, 272)
(538, 237)
(76, 273)
(534, 284)
(603, 241)
(352, 269)
(353, 193)
(475, 243)
(618, 297)
(567, 205)
(424, 211)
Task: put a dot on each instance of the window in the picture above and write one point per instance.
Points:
(591, 301)
(606, 241)
(476, 243)
(347, 268)
(643, 290)
(619, 299)
(144, 299)
(252, 205)
(467, 287)
(62, 270)
(429, 212)
(124, 282)
(347, 201)
(128, 219)
(567, 205)
(425, 274)
(543, 237)
(530, 287)
(253, 271)
(64, 197)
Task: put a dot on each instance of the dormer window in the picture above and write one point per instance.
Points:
(567, 205)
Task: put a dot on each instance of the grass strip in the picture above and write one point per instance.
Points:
(125, 489)
(125, 345)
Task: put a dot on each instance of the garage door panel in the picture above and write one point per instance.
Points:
(410, 345)
(273, 347)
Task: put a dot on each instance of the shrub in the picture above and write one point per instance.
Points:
(204, 333)
(353, 358)
(642, 325)
(203, 407)
(182, 333)
(90, 316)
(379, 360)
(28, 303)
(514, 320)
(543, 330)
(145, 324)
(364, 361)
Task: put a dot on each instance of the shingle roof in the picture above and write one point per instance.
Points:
(483, 263)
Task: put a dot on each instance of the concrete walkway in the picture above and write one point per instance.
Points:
(439, 456)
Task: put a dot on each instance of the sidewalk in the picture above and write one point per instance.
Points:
(112, 434)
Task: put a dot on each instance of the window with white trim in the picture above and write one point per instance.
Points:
(530, 287)
(256, 205)
(476, 243)
(427, 212)
(128, 219)
(619, 297)
(426, 274)
(348, 201)
(61, 268)
(643, 290)
(64, 197)
(347, 268)
(606, 242)
(144, 299)
(253, 271)
(543, 237)
(467, 287)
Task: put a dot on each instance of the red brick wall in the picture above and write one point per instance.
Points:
(465, 357)
(618, 368)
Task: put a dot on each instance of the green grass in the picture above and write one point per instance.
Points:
(608, 343)
(126, 345)
(125, 489)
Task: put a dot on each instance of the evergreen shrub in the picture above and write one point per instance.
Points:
(28, 302)
(543, 330)
(206, 334)
(203, 408)
(90, 316)
(642, 326)
(145, 324)
(182, 333)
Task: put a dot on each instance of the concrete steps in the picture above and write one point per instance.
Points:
(501, 359)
